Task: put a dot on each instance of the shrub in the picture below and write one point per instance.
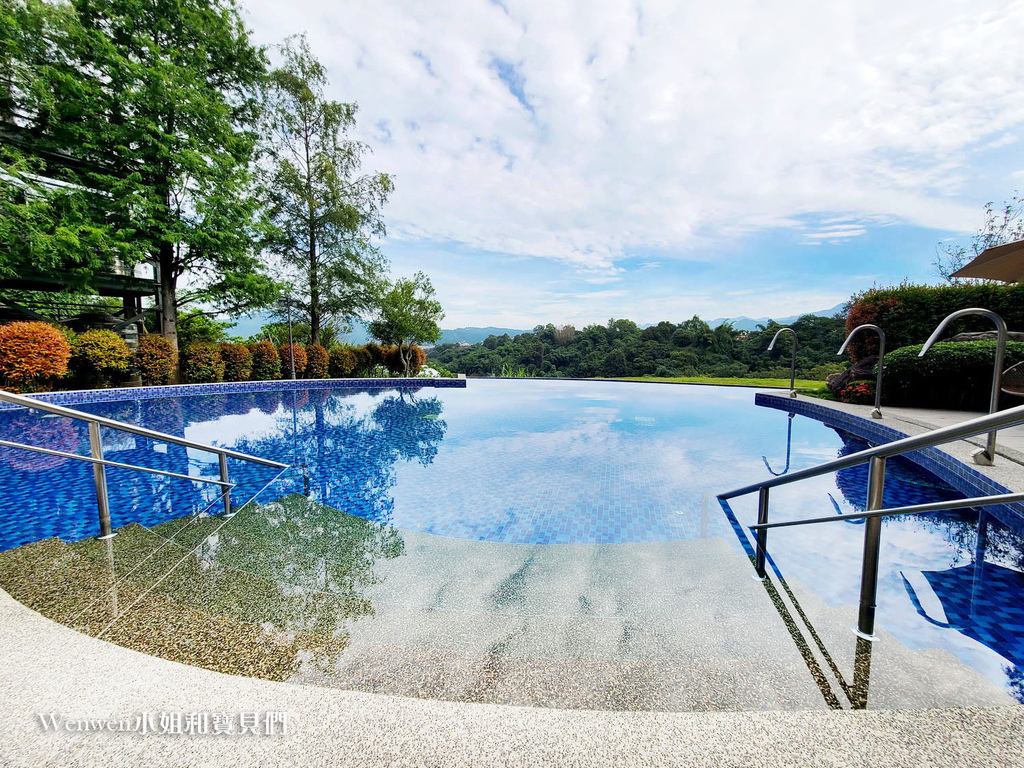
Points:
(342, 362)
(154, 359)
(266, 363)
(237, 362)
(909, 313)
(376, 353)
(288, 353)
(860, 392)
(393, 360)
(364, 359)
(99, 357)
(201, 363)
(32, 356)
(317, 361)
(823, 371)
(954, 376)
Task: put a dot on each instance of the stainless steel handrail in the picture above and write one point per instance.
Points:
(913, 509)
(877, 412)
(1009, 418)
(60, 410)
(99, 463)
(108, 463)
(792, 358)
(987, 455)
(876, 457)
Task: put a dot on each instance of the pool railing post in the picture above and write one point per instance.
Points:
(872, 547)
(762, 533)
(99, 473)
(226, 489)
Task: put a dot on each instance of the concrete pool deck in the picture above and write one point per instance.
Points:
(51, 669)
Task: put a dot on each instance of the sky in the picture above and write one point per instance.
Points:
(570, 162)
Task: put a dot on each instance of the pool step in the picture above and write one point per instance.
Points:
(900, 676)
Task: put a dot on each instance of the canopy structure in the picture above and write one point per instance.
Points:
(1000, 262)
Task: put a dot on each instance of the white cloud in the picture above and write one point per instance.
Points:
(587, 131)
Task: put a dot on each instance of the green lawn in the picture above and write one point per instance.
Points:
(801, 384)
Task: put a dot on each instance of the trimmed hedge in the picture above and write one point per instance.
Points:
(99, 357)
(909, 313)
(342, 363)
(288, 353)
(201, 363)
(317, 361)
(237, 362)
(955, 376)
(266, 363)
(32, 356)
(154, 359)
(364, 359)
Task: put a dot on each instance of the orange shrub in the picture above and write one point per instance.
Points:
(201, 363)
(237, 362)
(317, 361)
(266, 363)
(287, 354)
(393, 360)
(32, 356)
(376, 353)
(155, 360)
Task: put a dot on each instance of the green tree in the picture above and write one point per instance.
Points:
(1004, 225)
(155, 102)
(407, 313)
(322, 213)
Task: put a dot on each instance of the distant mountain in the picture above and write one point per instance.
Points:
(473, 335)
(743, 323)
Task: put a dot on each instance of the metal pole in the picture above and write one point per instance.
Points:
(291, 344)
(792, 361)
(762, 533)
(223, 461)
(872, 547)
(987, 456)
(877, 412)
(99, 473)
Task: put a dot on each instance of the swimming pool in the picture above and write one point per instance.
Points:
(565, 529)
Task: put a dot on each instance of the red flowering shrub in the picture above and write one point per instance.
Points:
(237, 362)
(99, 358)
(859, 392)
(201, 363)
(154, 359)
(317, 361)
(288, 353)
(266, 363)
(32, 356)
(342, 363)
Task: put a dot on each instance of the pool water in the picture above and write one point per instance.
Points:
(536, 473)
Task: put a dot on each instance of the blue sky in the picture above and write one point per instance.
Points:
(575, 161)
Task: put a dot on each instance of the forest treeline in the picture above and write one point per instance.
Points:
(622, 348)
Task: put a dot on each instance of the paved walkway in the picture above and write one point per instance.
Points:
(1009, 466)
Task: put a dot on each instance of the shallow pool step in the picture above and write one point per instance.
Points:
(899, 676)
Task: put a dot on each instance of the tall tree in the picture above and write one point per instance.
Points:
(156, 102)
(407, 313)
(323, 212)
(1002, 225)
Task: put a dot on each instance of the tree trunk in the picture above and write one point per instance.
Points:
(169, 304)
(406, 359)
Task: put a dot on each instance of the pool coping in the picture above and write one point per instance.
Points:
(949, 468)
(79, 396)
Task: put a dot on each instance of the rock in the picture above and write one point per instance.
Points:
(985, 336)
(861, 370)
